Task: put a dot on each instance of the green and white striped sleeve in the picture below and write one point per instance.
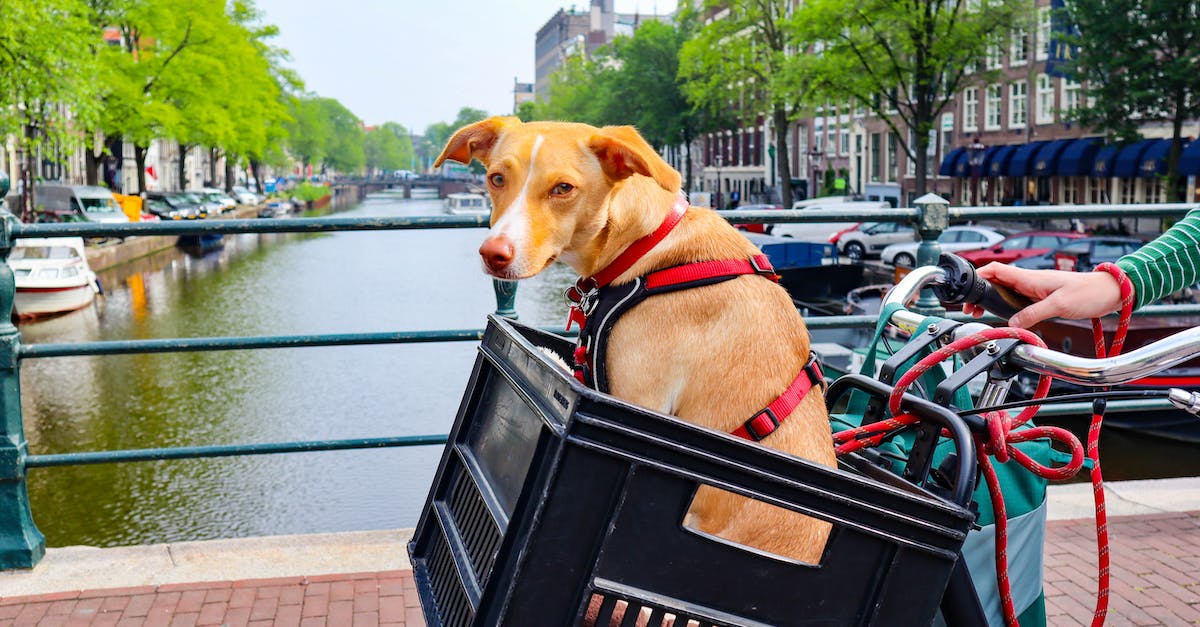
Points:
(1167, 264)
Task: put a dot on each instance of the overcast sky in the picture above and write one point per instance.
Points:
(417, 62)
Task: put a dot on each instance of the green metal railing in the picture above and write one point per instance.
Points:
(22, 545)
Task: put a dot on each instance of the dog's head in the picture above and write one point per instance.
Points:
(551, 186)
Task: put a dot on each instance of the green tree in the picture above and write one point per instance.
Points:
(903, 61)
(648, 92)
(1139, 61)
(388, 148)
(42, 108)
(344, 146)
(308, 130)
(738, 63)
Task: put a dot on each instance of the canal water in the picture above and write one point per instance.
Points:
(263, 285)
(284, 285)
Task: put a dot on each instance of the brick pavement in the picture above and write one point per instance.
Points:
(352, 600)
(1155, 570)
(1156, 581)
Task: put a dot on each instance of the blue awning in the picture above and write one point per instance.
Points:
(1189, 161)
(1045, 162)
(947, 167)
(1129, 158)
(1021, 163)
(1102, 165)
(1154, 160)
(1078, 158)
(996, 163)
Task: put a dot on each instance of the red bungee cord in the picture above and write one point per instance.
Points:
(1000, 440)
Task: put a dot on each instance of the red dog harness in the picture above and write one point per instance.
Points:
(596, 306)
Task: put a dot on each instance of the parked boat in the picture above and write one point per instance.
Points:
(468, 204)
(809, 269)
(52, 276)
(1075, 336)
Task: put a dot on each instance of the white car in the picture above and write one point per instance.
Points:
(821, 232)
(870, 238)
(245, 196)
(952, 240)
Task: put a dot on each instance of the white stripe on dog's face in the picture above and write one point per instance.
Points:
(515, 224)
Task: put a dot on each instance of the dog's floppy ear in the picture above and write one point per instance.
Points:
(474, 140)
(623, 152)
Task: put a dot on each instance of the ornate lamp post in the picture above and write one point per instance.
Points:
(975, 152)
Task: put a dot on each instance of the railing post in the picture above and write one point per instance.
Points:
(21, 544)
(506, 298)
(933, 218)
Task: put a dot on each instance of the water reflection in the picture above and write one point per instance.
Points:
(262, 285)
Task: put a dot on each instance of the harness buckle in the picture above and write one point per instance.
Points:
(762, 424)
(762, 267)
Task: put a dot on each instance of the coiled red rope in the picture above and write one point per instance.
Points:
(1001, 438)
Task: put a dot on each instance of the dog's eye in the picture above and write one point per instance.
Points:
(562, 189)
(496, 179)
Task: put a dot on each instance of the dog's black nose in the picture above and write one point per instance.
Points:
(497, 252)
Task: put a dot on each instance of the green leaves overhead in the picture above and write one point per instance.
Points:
(1139, 61)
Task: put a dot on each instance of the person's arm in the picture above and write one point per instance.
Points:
(1166, 265)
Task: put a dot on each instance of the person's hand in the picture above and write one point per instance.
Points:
(1057, 294)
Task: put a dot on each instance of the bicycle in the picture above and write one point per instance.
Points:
(551, 497)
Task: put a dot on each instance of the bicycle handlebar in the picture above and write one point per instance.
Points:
(1145, 361)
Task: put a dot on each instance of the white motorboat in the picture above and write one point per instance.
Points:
(52, 276)
(468, 204)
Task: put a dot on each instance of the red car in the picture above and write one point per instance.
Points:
(1021, 245)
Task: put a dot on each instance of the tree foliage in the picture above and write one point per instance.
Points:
(388, 147)
(1139, 61)
(903, 61)
(737, 63)
(49, 86)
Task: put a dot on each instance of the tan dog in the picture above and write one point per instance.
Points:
(713, 355)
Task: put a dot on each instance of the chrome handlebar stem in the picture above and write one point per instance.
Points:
(1145, 361)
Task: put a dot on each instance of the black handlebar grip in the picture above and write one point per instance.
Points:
(963, 285)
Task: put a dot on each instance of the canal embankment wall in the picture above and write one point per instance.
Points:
(116, 252)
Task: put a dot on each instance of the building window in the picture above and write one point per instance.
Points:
(1097, 191)
(1071, 95)
(1018, 51)
(893, 148)
(1045, 99)
(1043, 33)
(971, 109)
(995, 56)
(991, 110)
(1070, 191)
(875, 152)
(844, 145)
(819, 141)
(1128, 191)
(1154, 190)
(1018, 99)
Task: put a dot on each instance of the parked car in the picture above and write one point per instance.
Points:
(872, 237)
(757, 228)
(217, 198)
(173, 205)
(245, 196)
(1020, 246)
(1084, 253)
(57, 202)
(954, 239)
(821, 232)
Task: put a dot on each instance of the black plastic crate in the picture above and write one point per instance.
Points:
(549, 493)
